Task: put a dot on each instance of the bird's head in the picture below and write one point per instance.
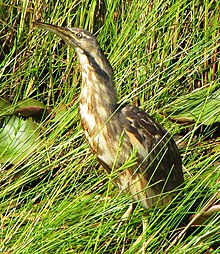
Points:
(85, 45)
(78, 38)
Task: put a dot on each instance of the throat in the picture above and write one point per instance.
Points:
(97, 100)
(98, 96)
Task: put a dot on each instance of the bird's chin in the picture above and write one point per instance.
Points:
(71, 43)
(78, 49)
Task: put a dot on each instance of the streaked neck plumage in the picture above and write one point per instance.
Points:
(98, 96)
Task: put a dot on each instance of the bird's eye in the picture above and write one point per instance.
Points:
(79, 35)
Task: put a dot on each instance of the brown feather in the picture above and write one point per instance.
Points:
(117, 133)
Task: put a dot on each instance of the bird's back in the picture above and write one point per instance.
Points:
(156, 168)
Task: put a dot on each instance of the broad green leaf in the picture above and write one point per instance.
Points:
(32, 108)
(5, 107)
(202, 106)
(18, 138)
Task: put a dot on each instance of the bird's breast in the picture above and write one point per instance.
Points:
(104, 135)
(98, 138)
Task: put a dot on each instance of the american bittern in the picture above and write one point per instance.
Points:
(115, 133)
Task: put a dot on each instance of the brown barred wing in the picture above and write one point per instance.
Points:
(159, 158)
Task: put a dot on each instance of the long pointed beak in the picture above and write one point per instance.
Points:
(62, 32)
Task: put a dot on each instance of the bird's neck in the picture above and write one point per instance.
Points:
(98, 96)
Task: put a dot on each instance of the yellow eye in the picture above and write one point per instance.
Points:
(79, 35)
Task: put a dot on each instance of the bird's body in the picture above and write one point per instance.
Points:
(117, 133)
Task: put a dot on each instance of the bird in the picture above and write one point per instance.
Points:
(118, 132)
